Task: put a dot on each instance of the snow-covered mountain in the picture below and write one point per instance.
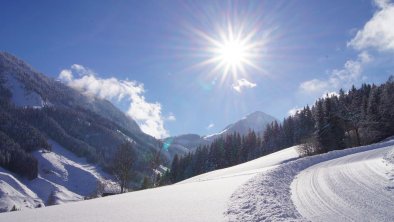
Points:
(38, 115)
(256, 121)
(182, 144)
(30, 89)
(33, 89)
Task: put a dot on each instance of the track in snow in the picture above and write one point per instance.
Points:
(350, 188)
(268, 196)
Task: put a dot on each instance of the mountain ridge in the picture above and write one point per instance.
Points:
(49, 88)
(45, 109)
(256, 121)
(184, 143)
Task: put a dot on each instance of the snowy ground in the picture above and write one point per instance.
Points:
(202, 198)
(62, 178)
(13, 192)
(354, 184)
(352, 188)
(357, 178)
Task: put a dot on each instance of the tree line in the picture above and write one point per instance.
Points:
(358, 117)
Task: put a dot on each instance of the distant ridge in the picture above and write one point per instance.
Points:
(256, 121)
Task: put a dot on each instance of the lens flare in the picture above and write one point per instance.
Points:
(231, 50)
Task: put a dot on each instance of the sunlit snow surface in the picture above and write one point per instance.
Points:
(347, 185)
(13, 192)
(356, 187)
(21, 96)
(62, 178)
(276, 187)
(202, 198)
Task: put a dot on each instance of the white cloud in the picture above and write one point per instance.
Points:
(240, 84)
(378, 32)
(329, 94)
(210, 126)
(350, 72)
(66, 75)
(313, 85)
(171, 117)
(294, 110)
(364, 57)
(148, 115)
(382, 3)
(81, 70)
(339, 78)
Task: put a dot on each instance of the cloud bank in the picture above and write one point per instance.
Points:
(338, 78)
(148, 115)
(378, 32)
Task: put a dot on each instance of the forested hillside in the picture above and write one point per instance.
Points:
(35, 108)
(358, 117)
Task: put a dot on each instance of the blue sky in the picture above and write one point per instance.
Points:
(147, 56)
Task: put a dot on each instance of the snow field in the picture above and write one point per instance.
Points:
(268, 196)
(276, 187)
(202, 198)
(351, 188)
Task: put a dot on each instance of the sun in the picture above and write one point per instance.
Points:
(231, 50)
(232, 55)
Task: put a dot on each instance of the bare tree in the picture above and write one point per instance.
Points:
(122, 163)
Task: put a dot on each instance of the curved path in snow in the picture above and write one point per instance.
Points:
(345, 185)
(356, 187)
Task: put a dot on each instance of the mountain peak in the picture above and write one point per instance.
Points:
(258, 114)
(256, 121)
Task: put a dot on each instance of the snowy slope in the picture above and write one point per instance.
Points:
(270, 188)
(202, 198)
(29, 88)
(63, 168)
(249, 168)
(353, 188)
(62, 178)
(15, 193)
(21, 96)
(274, 196)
